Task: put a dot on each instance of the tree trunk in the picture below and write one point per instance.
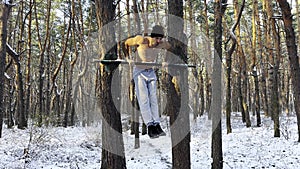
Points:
(201, 92)
(205, 11)
(42, 48)
(257, 98)
(255, 74)
(241, 76)
(255, 39)
(293, 57)
(298, 21)
(194, 60)
(216, 109)
(275, 101)
(145, 15)
(4, 12)
(70, 102)
(136, 17)
(21, 118)
(22, 122)
(240, 95)
(208, 95)
(133, 99)
(228, 94)
(113, 156)
(11, 106)
(244, 93)
(275, 80)
(78, 94)
(270, 47)
(238, 14)
(207, 80)
(177, 95)
(48, 85)
(41, 93)
(28, 64)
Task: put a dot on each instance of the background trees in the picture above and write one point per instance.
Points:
(4, 11)
(48, 77)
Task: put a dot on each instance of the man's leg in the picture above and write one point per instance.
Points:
(153, 101)
(143, 98)
(142, 92)
(154, 107)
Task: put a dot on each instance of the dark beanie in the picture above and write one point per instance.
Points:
(157, 31)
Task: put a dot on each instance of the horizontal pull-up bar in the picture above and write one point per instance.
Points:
(119, 61)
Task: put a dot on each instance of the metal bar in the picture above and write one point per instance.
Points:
(119, 61)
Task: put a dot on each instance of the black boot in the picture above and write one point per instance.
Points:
(160, 131)
(152, 132)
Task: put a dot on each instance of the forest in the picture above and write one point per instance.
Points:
(229, 60)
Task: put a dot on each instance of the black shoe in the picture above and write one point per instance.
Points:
(160, 131)
(152, 132)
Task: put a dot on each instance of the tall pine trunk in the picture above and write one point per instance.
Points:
(4, 11)
(237, 14)
(255, 39)
(216, 151)
(28, 64)
(228, 93)
(113, 156)
(42, 47)
(275, 80)
(207, 80)
(242, 80)
(22, 122)
(177, 95)
(255, 73)
(293, 57)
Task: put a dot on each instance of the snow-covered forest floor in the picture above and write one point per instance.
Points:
(80, 147)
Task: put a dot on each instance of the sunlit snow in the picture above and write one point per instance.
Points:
(80, 147)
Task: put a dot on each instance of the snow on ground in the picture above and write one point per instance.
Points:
(78, 147)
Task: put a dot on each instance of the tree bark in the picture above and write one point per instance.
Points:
(269, 54)
(207, 80)
(293, 57)
(216, 151)
(136, 16)
(194, 59)
(21, 119)
(238, 14)
(113, 156)
(28, 64)
(275, 80)
(4, 13)
(298, 20)
(177, 93)
(228, 93)
(255, 74)
(255, 39)
(132, 94)
(242, 81)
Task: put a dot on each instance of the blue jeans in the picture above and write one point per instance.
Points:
(145, 87)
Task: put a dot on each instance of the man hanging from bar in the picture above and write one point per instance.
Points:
(145, 78)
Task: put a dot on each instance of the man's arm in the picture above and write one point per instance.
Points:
(137, 40)
(134, 41)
